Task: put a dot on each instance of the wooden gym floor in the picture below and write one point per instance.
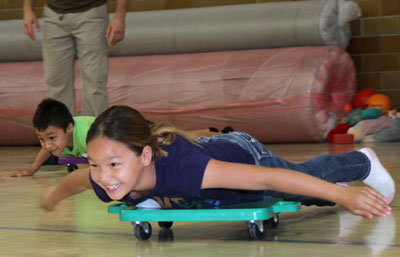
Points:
(81, 225)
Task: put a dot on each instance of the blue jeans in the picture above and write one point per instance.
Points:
(346, 167)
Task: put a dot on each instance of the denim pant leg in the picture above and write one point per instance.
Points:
(347, 167)
(353, 166)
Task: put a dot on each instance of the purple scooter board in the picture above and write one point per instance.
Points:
(72, 161)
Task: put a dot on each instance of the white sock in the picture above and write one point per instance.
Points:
(378, 178)
(148, 204)
(343, 184)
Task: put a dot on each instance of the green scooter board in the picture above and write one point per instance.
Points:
(259, 216)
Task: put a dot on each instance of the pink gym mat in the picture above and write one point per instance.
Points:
(277, 95)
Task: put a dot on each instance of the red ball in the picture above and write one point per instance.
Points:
(360, 98)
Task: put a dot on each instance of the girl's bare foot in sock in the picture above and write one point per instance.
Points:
(378, 178)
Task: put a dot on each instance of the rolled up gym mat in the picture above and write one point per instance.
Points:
(238, 27)
(277, 95)
(221, 28)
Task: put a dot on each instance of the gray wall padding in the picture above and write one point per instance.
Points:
(15, 45)
(232, 27)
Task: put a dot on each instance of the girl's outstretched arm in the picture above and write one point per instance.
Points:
(75, 183)
(362, 201)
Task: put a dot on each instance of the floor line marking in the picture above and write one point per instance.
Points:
(266, 240)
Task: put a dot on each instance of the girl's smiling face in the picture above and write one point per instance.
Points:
(116, 168)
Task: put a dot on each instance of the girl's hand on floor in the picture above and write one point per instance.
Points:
(47, 201)
(364, 201)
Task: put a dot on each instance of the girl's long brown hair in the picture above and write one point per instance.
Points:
(128, 126)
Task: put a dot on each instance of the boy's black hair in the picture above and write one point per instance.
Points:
(51, 112)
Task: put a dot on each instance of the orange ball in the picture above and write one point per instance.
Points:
(379, 101)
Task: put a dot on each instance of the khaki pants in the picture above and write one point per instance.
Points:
(76, 34)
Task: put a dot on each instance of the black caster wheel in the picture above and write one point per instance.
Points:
(165, 224)
(255, 232)
(142, 230)
(72, 167)
(272, 222)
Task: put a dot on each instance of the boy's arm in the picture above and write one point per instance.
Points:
(41, 157)
(362, 201)
(75, 183)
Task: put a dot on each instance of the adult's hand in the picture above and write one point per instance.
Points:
(116, 30)
(30, 21)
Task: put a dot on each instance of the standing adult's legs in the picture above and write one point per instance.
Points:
(58, 58)
(93, 59)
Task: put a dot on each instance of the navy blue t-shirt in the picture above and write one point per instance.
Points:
(179, 176)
